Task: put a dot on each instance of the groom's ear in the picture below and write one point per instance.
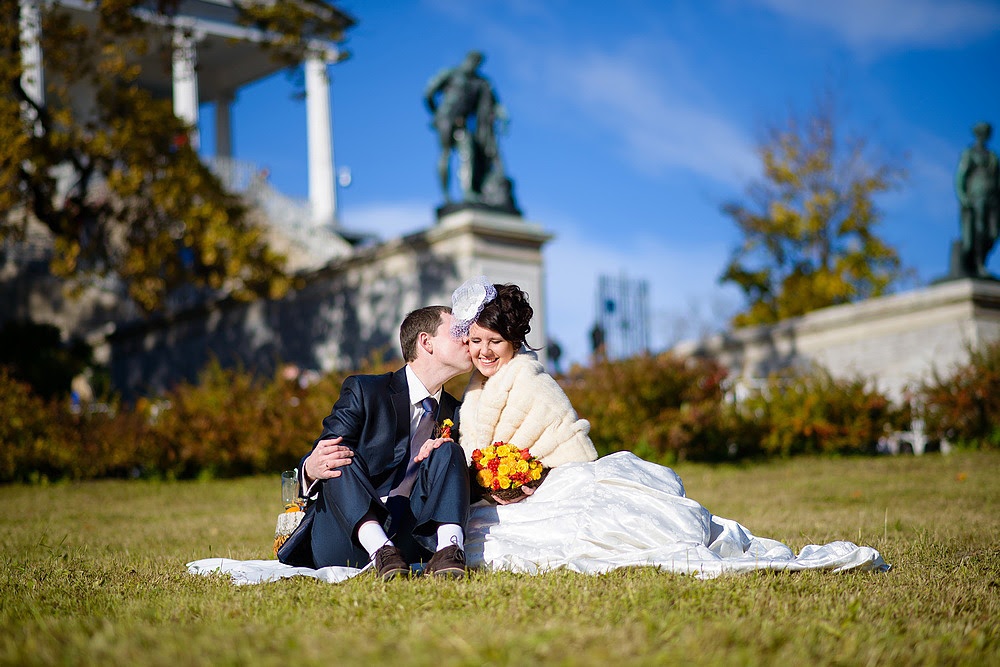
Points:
(424, 341)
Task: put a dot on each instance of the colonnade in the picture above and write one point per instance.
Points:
(187, 33)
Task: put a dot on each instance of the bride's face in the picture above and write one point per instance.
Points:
(489, 350)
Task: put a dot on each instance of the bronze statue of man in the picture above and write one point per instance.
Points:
(977, 183)
(466, 113)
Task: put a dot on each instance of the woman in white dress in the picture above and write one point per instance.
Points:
(590, 514)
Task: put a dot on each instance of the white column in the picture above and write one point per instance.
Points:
(319, 139)
(33, 76)
(185, 77)
(223, 126)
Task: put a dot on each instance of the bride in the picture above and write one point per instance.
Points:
(590, 514)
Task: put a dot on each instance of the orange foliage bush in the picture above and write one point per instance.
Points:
(30, 438)
(662, 407)
(963, 407)
(232, 423)
(813, 413)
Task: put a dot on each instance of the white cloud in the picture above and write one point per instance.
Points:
(643, 93)
(875, 26)
(660, 123)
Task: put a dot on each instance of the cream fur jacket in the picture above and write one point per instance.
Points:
(523, 405)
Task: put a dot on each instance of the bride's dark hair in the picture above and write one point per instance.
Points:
(509, 314)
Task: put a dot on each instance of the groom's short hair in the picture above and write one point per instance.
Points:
(422, 320)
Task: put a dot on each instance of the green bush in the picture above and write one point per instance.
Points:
(662, 407)
(963, 407)
(813, 413)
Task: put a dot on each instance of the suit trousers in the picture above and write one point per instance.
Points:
(440, 495)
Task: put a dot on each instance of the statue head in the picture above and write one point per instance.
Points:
(982, 131)
(473, 60)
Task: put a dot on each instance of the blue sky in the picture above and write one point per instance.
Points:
(632, 123)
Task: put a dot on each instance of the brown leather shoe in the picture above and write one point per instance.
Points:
(448, 562)
(389, 563)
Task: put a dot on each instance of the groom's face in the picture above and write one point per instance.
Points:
(450, 352)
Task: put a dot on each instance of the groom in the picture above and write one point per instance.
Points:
(372, 501)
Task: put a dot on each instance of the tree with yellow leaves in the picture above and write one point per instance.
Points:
(106, 167)
(809, 238)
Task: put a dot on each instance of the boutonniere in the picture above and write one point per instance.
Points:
(443, 429)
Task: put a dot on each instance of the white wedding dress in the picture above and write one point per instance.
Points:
(618, 511)
(621, 511)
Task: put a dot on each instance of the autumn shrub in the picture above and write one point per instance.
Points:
(109, 442)
(29, 437)
(231, 422)
(662, 407)
(44, 440)
(811, 412)
(963, 406)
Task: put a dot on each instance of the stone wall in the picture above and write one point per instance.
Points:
(895, 340)
(346, 311)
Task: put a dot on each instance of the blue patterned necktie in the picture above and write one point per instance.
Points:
(423, 431)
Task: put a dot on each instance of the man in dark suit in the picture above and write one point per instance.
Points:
(373, 502)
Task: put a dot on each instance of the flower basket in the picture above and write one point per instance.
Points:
(516, 492)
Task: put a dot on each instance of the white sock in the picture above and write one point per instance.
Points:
(372, 537)
(449, 534)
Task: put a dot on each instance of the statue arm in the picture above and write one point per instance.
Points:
(435, 86)
(960, 177)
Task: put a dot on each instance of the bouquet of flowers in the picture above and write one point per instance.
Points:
(502, 469)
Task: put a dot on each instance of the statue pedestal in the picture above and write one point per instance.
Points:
(446, 210)
(505, 248)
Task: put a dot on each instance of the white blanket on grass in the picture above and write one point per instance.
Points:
(618, 511)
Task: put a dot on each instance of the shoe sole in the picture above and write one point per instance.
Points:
(450, 573)
(392, 574)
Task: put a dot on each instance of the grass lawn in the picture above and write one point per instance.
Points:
(93, 573)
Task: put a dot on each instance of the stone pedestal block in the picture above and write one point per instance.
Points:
(896, 340)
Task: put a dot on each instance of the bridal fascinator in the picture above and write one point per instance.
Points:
(467, 302)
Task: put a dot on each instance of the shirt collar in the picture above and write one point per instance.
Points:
(418, 391)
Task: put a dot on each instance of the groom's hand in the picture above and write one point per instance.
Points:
(325, 459)
(428, 447)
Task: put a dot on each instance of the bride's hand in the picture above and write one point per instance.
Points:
(525, 490)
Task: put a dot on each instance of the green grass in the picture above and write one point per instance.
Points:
(93, 573)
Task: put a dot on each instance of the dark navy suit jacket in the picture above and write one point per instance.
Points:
(373, 416)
